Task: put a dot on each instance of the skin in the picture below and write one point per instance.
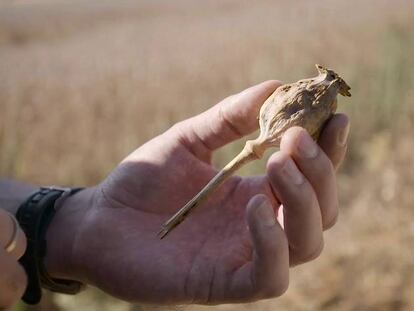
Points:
(232, 249)
(13, 278)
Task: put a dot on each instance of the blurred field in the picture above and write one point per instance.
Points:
(83, 83)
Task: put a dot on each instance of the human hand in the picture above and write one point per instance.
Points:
(12, 246)
(231, 249)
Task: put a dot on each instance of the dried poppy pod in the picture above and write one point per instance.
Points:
(308, 103)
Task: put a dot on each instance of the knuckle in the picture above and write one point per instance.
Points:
(275, 164)
(176, 127)
(234, 98)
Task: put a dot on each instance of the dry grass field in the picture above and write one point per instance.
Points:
(83, 83)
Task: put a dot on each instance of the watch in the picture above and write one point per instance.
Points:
(34, 217)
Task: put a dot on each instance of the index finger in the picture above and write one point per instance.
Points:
(232, 118)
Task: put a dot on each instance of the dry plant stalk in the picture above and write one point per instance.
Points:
(308, 103)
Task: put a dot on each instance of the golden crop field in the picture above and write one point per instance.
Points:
(83, 83)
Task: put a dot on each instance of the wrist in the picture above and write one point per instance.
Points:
(62, 235)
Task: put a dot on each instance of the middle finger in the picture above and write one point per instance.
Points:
(302, 216)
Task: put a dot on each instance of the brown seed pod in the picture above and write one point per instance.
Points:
(308, 103)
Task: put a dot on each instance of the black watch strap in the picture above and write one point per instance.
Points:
(34, 217)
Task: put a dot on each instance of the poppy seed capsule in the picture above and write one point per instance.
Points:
(308, 103)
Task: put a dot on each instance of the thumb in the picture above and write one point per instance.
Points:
(232, 118)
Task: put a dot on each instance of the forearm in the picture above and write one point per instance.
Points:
(13, 193)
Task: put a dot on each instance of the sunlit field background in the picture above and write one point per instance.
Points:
(83, 83)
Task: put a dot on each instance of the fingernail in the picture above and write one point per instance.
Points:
(307, 147)
(343, 136)
(266, 214)
(292, 173)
